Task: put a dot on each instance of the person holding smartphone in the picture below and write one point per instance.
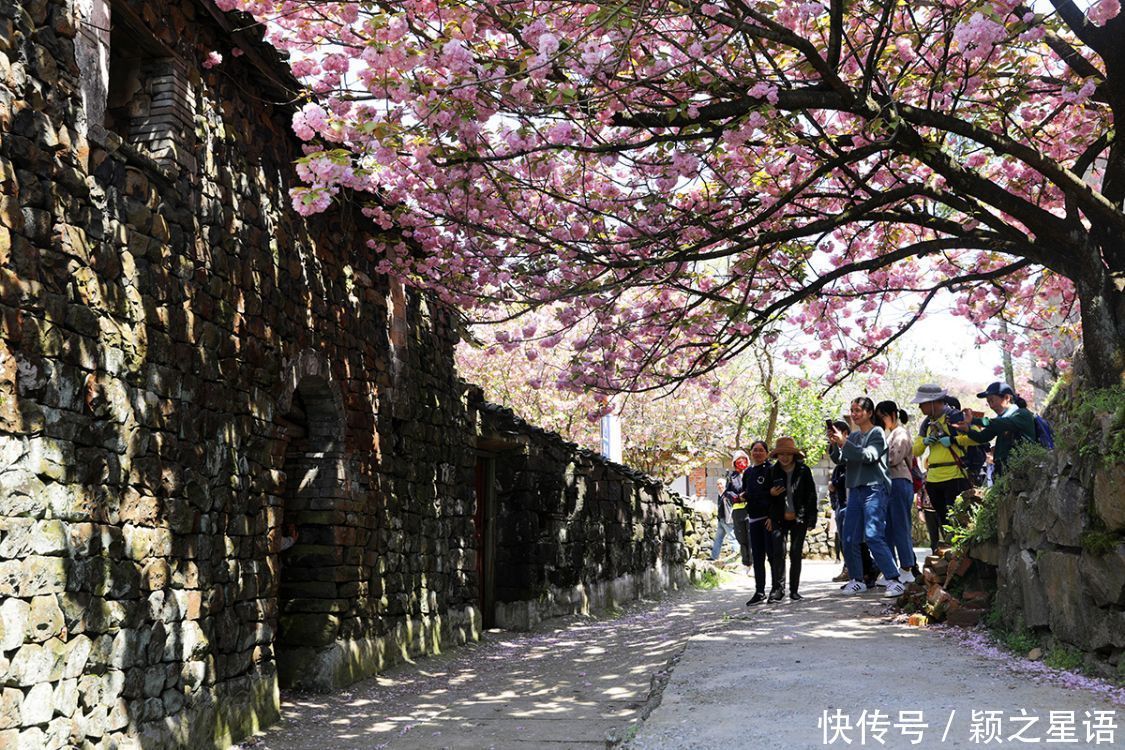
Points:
(739, 462)
(864, 452)
(792, 514)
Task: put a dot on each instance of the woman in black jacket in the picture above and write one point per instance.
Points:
(756, 495)
(792, 514)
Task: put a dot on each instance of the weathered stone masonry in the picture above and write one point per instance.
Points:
(568, 532)
(187, 366)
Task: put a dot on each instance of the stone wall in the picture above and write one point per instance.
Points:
(570, 531)
(1051, 578)
(701, 529)
(1060, 551)
(187, 366)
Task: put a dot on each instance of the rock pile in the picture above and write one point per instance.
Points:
(954, 588)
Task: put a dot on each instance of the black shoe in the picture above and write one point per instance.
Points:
(776, 595)
(758, 598)
(794, 596)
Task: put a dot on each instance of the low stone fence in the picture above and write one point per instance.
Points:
(568, 531)
(700, 529)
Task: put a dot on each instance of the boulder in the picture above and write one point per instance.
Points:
(38, 705)
(1104, 576)
(1067, 602)
(1024, 573)
(1067, 503)
(45, 619)
(10, 701)
(1109, 496)
(14, 614)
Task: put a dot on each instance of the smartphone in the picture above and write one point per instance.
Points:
(828, 425)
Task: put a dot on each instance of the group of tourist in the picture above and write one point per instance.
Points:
(772, 505)
(769, 500)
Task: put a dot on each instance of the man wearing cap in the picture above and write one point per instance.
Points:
(946, 475)
(1012, 424)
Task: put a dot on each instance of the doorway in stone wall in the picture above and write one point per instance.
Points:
(484, 537)
(308, 596)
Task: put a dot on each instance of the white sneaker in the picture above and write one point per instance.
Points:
(895, 589)
(905, 575)
(881, 581)
(854, 587)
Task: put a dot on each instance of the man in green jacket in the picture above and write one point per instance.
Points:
(1012, 424)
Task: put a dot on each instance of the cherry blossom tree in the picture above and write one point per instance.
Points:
(673, 179)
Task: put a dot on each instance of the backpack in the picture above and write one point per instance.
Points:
(917, 476)
(1043, 434)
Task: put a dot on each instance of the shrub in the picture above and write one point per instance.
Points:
(981, 515)
(981, 525)
(1019, 641)
(1064, 658)
(1025, 459)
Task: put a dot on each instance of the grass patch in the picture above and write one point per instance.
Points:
(1016, 639)
(1019, 641)
(1099, 542)
(1064, 658)
(708, 580)
(1082, 431)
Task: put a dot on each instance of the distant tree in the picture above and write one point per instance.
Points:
(665, 432)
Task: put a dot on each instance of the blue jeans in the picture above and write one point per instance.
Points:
(866, 519)
(725, 531)
(900, 512)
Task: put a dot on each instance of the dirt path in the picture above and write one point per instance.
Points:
(740, 678)
(784, 675)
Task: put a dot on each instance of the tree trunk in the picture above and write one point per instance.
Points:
(1101, 296)
(765, 367)
(1006, 356)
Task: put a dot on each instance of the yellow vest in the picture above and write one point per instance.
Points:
(941, 466)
